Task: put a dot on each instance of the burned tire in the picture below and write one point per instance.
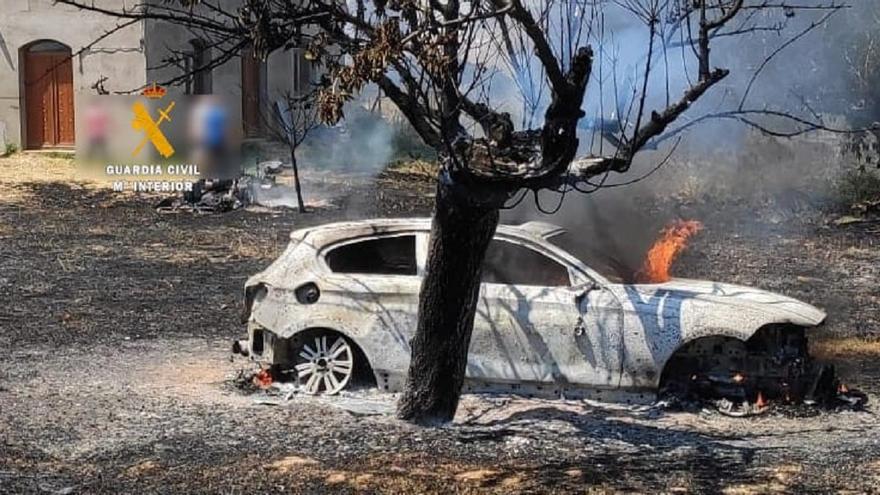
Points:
(707, 368)
(326, 362)
(772, 364)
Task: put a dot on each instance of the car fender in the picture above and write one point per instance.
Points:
(659, 322)
(384, 347)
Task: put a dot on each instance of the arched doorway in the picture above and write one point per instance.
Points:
(48, 95)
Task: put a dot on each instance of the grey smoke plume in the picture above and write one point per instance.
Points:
(362, 142)
(717, 163)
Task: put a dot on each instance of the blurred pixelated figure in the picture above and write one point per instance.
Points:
(209, 136)
(97, 124)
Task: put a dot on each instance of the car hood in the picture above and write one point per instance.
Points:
(737, 296)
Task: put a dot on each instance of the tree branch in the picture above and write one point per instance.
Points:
(414, 112)
(542, 47)
(659, 121)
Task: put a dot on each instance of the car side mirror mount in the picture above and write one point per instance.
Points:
(582, 291)
(586, 287)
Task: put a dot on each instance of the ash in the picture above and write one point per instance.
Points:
(116, 376)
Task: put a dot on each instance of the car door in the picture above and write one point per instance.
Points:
(537, 323)
(378, 278)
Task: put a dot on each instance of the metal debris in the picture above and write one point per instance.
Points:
(223, 195)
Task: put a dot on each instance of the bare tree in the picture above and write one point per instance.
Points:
(293, 118)
(437, 61)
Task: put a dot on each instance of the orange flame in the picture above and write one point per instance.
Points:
(672, 241)
(263, 379)
(760, 402)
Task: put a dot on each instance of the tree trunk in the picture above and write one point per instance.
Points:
(299, 196)
(460, 234)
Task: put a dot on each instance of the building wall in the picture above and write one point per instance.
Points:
(284, 71)
(120, 57)
(128, 59)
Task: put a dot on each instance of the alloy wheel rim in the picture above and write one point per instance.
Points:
(326, 366)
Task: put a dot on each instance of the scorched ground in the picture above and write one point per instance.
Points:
(116, 375)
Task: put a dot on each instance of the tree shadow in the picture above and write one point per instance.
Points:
(609, 448)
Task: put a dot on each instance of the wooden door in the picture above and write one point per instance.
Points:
(49, 99)
(251, 86)
(63, 77)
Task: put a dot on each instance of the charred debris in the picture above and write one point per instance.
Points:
(775, 376)
(220, 195)
(773, 373)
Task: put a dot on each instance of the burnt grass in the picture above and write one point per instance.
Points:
(116, 377)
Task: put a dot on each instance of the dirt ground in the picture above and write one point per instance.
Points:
(116, 375)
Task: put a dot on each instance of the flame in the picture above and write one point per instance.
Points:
(760, 402)
(673, 240)
(263, 379)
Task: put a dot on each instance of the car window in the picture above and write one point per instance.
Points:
(383, 256)
(509, 263)
(602, 254)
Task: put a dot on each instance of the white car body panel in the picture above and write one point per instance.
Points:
(591, 335)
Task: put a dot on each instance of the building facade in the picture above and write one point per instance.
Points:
(51, 55)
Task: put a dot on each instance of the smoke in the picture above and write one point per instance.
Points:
(607, 230)
(766, 184)
(363, 142)
(813, 74)
(331, 160)
(721, 171)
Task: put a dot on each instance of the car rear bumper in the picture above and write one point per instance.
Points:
(263, 346)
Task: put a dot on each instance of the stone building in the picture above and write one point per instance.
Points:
(49, 59)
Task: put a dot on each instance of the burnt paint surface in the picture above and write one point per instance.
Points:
(590, 338)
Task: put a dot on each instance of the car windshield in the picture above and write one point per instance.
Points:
(512, 264)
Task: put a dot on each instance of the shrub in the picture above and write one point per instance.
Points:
(858, 185)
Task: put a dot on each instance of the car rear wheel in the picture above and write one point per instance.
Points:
(324, 365)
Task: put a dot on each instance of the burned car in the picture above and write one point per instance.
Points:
(339, 306)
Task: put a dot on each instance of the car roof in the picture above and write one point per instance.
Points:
(322, 235)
